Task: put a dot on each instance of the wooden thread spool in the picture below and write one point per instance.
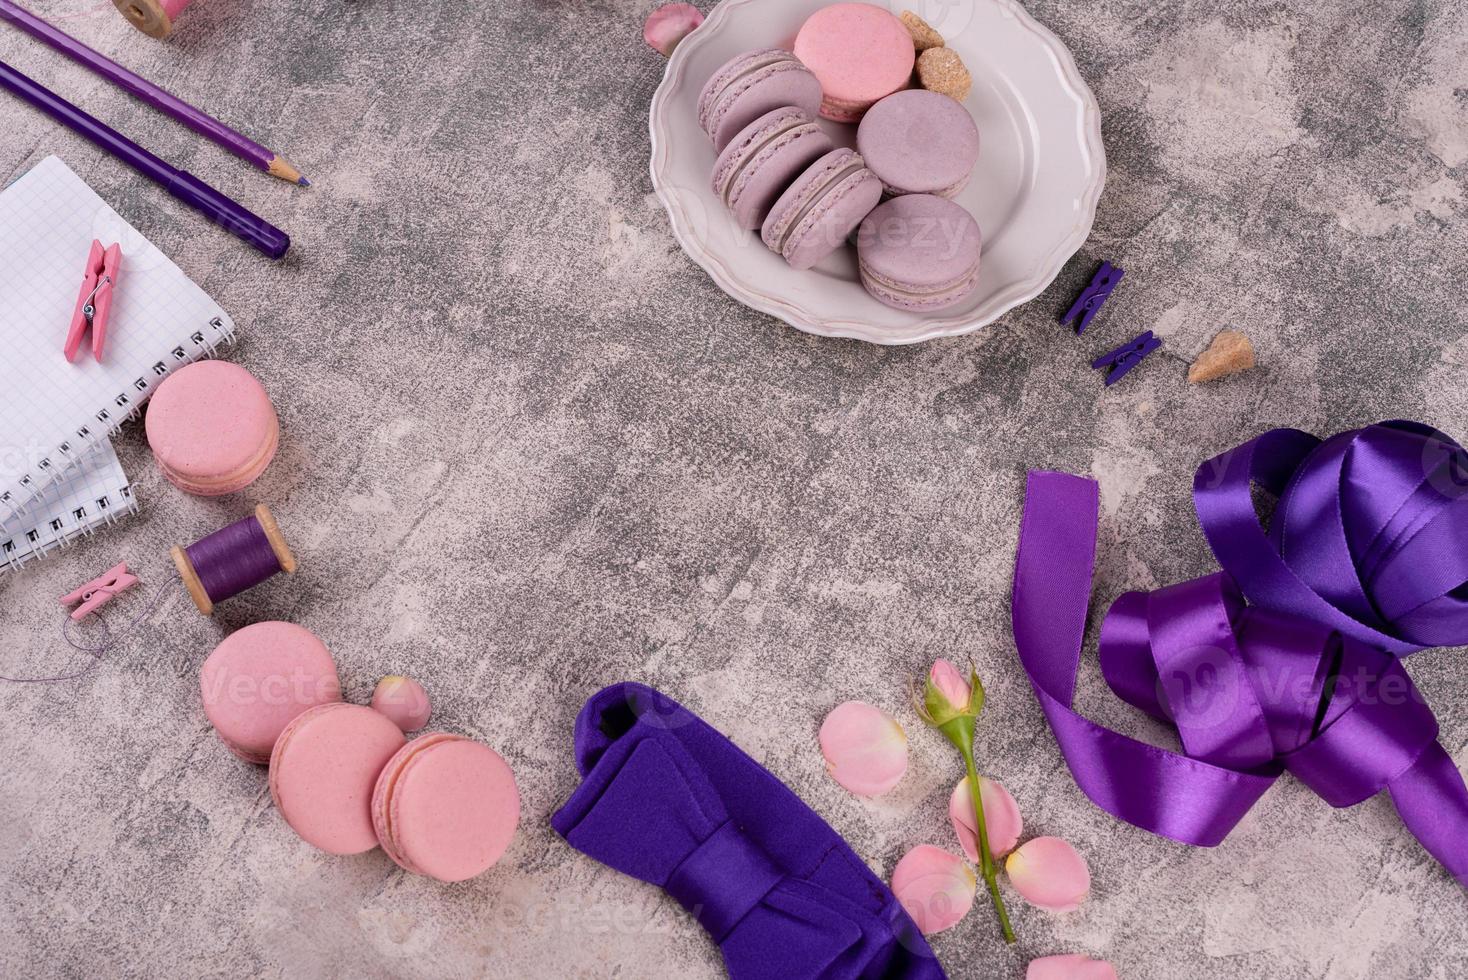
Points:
(153, 17)
(233, 559)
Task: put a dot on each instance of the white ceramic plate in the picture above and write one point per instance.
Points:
(1034, 192)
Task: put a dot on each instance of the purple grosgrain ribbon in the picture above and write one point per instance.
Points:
(1365, 560)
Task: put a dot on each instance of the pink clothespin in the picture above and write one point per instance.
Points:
(99, 590)
(94, 303)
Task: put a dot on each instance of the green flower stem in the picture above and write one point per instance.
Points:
(960, 731)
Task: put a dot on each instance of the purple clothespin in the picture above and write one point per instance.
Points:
(1118, 362)
(1088, 303)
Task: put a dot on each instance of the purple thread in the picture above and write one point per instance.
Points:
(233, 559)
(108, 641)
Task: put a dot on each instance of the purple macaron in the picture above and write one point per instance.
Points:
(819, 211)
(751, 85)
(919, 142)
(763, 158)
(919, 252)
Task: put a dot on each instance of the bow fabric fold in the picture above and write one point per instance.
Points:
(1287, 660)
(668, 800)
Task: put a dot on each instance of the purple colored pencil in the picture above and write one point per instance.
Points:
(189, 189)
(200, 122)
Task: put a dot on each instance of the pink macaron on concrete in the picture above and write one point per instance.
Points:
(212, 428)
(750, 85)
(445, 806)
(259, 679)
(919, 252)
(919, 142)
(323, 770)
(763, 159)
(818, 212)
(860, 53)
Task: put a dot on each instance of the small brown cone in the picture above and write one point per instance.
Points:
(923, 36)
(1229, 353)
(942, 70)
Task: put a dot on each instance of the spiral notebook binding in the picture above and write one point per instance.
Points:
(62, 530)
(123, 408)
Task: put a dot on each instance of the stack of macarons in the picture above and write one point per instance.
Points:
(212, 428)
(344, 776)
(779, 172)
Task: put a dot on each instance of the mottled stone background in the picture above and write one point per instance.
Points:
(530, 449)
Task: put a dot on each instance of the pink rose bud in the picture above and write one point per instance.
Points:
(403, 701)
(935, 887)
(865, 749)
(950, 683)
(1001, 818)
(668, 25)
(947, 695)
(1049, 874)
(1070, 967)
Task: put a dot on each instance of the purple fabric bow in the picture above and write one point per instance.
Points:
(1365, 560)
(669, 800)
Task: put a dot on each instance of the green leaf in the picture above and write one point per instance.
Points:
(938, 710)
(976, 695)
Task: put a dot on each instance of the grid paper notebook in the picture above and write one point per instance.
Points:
(54, 414)
(94, 493)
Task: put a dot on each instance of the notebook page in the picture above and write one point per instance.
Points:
(94, 493)
(52, 413)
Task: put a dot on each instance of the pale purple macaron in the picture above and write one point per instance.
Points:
(763, 159)
(919, 252)
(820, 210)
(919, 142)
(750, 85)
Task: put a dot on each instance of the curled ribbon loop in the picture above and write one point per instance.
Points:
(1365, 560)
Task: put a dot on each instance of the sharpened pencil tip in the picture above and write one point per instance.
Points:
(283, 170)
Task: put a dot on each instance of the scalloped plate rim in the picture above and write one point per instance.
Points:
(933, 326)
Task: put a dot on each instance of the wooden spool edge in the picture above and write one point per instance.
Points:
(276, 539)
(147, 16)
(191, 581)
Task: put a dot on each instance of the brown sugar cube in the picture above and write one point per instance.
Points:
(1229, 353)
(942, 70)
(923, 36)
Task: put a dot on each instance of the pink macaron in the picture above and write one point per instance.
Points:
(445, 806)
(821, 208)
(322, 772)
(860, 54)
(259, 679)
(919, 252)
(212, 428)
(763, 158)
(750, 85)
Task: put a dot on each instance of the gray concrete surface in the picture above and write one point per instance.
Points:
(529, 449)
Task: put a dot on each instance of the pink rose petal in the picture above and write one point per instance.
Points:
(669, 24)
(865, 749)
(1049, 874)
(404, 702)
(935, 887)
(1001, 818)
(1070, 967)
(950, 683)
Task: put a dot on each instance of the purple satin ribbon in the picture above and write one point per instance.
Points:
(1365, 561)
